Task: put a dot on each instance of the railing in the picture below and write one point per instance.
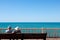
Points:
(51, 32)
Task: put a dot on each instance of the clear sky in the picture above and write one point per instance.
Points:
(29, 10)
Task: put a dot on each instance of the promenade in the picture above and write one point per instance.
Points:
(39, 39)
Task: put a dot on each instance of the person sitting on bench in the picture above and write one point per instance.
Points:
(17, 30)
(9, 30)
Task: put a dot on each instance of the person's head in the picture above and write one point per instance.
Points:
(17, 28)
(9, 27)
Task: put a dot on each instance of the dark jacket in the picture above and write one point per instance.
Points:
(16, 31)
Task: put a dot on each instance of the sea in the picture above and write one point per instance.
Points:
(30, 24)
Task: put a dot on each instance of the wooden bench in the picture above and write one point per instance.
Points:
(24, 36)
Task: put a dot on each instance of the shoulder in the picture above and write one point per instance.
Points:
(7, 30)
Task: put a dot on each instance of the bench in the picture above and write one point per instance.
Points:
(24, 36)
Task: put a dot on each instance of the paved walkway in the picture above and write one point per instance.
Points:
(39, 39)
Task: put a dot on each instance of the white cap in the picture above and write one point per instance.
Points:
(17, 28)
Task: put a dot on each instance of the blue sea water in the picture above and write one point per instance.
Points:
(30, 24)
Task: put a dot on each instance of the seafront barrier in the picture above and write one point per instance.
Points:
(51, 32)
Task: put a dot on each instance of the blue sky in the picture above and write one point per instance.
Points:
(29, 10)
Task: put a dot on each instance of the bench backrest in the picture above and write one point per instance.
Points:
(24, 35)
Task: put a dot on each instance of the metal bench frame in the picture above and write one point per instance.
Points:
(24, 36)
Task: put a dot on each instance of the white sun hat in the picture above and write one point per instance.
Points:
(17, 28)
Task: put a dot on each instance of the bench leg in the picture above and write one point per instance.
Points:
(44, 38)
(16, 39)
(13, 39)
(10, 39)
(22, 39)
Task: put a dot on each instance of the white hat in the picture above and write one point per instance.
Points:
(17, 28)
